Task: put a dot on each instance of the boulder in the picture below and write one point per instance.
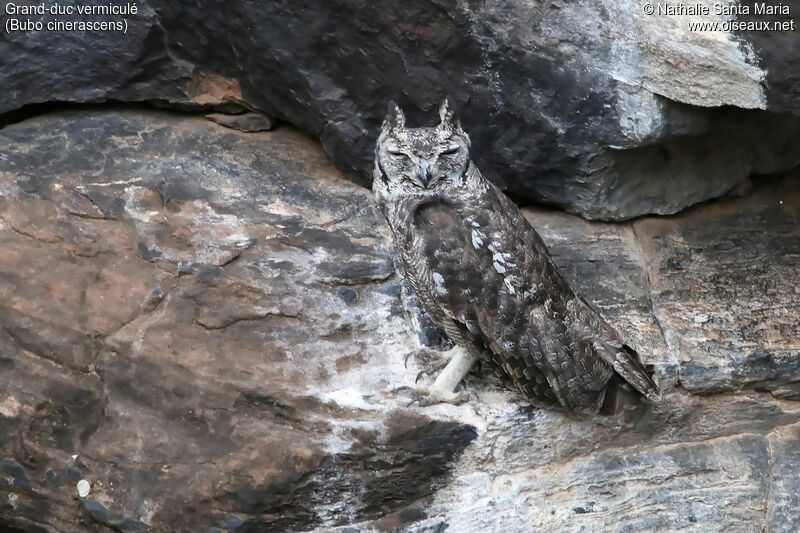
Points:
(602, 108)
(204, 329)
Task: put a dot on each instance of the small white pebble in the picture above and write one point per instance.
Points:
(83, 488)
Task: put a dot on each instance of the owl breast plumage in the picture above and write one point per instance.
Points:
(485, 276)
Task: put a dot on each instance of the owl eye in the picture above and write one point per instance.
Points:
(396, 153)
(450, 151)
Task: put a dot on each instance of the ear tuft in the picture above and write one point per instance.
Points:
(460, 131)
(395, 119)
(446, 115)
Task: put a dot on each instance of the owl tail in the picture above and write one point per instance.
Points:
(628, 365)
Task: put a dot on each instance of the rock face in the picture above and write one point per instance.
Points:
(594, 106)
(247, 122)
(714, 290)
(205, 325)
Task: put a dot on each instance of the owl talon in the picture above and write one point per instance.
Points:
(402, 388)
(433, 396)
(465, 385)
(433, 368)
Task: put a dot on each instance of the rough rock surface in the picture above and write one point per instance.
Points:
(246, 122)
(594, 106)
(205, 325)
(715, 290)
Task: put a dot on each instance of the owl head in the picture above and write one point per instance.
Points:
(420, 161)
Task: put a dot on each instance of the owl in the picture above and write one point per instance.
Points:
(485, 276)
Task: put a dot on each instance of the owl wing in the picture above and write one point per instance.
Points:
(485, 276)
(593, 338)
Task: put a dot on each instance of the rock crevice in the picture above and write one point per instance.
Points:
(594, 107)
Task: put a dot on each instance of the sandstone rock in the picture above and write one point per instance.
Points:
(206, 326)
(596, 107)
(180, 319)
(247, 122)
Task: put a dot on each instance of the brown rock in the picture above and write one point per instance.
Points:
(246, 122)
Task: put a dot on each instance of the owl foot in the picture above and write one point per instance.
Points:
(444, 388)
(425, 396)
(432, 396)
(433, 368)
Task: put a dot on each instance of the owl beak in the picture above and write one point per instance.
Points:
(424, 174)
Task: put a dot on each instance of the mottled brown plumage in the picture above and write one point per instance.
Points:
(484, 275)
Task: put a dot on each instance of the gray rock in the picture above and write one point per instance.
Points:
(724, 286)
(597, 107)
(784, 449)
(211, 333)
(712, 290)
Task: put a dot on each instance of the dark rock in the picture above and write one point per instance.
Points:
(14, 469)
(17, 473)
(629, 115)
(347, 295)
(95, 509)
